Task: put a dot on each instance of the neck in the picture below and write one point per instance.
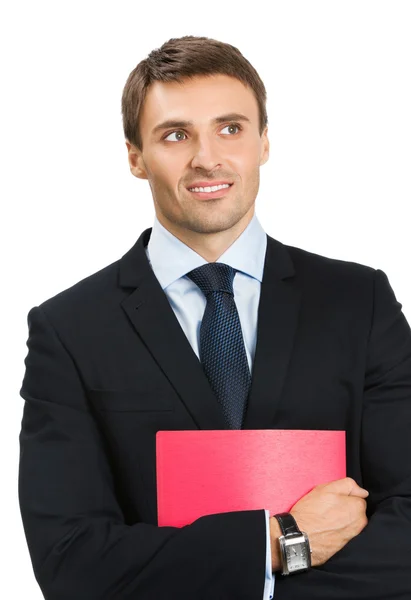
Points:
(208, 245)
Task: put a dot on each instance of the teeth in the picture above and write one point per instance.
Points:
(214, 188)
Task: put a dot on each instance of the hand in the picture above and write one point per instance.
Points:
(331, 515)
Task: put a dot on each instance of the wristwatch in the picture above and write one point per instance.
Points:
(294, 546)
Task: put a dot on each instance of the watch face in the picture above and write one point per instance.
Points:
(297, 558)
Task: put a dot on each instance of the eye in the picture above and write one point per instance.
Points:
(232, 126)
(179, 132)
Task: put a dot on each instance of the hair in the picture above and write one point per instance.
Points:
(186, 57)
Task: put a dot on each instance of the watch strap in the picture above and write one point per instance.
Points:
(288, 524)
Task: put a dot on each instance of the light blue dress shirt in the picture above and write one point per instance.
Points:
(171, 259)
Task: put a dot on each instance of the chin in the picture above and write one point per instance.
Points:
(212, 223)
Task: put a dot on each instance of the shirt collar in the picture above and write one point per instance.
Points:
(171, 259)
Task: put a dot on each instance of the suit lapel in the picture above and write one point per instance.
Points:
(152, 317)
(154, 320)
(276, 327)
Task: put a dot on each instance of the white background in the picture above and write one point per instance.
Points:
(337, 183)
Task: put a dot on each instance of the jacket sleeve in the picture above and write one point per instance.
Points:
(79, 543)
(376, 564)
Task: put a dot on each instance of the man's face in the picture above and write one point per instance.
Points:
(211, 137)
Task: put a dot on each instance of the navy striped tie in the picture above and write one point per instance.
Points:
(222, 351)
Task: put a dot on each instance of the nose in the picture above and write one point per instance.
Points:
(205, 154)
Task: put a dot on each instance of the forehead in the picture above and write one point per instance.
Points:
(199, 99)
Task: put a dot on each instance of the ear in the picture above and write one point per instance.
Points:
(265, 147)
(135, 160)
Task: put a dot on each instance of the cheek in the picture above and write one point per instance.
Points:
(158, 172)
(245, 157)
(165, 168)
(246, 169)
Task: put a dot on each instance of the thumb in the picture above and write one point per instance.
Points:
(346, 487)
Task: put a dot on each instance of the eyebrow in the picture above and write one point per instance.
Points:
(216, 120)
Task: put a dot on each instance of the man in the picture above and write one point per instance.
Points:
(319, 344)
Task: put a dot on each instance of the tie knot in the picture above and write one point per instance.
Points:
(213, 277)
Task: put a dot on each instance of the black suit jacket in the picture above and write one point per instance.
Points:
(109, 365)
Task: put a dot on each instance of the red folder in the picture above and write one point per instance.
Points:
(203, 472)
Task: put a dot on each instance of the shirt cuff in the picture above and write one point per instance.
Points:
(269, 575)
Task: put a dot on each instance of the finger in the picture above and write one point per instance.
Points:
(360, 492)
(346, 486)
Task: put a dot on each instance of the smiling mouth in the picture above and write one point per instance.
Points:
(211, 191)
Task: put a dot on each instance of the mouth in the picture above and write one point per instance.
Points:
(210, 192)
